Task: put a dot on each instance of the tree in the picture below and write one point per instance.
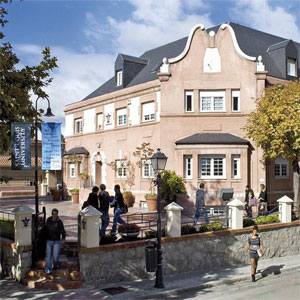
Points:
(275, 127)
(18, 85)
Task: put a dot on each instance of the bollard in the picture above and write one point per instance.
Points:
(173, 219)
(285, 209)
(235, 214)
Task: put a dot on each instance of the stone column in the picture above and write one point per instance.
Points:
(235, 214)
(285, 209)
(89, 227)
(173, 219)
(23, 225)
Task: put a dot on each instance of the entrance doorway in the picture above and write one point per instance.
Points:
(98, 177)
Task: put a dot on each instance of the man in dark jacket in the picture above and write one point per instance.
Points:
(200, 205)
(56, 236)
(104, 200)
(119, 209)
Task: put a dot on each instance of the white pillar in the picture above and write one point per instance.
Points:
(90, 223)
(44, 188)
(285, 209)
(23, 225)
(173, 219)
(235, 214)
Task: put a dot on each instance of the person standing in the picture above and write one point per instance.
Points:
(200, 206)
(262, 198)
(254, 247)
(119, 208)
(247, 205)
(56, 236)
(104, 200)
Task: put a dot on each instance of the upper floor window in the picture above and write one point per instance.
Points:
(189, 101)
(212, 101)
(235, 166)
(235, 101)
(147, 169)
(119, 77)
(211, 166)
(72, 170)
(292, 66)
(78, 125)
(122, 116)
(121, 168)
(281, 167)
(188, 166)
(100, 121)
(148, 112)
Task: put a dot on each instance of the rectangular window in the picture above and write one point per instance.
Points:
(122, 116)
(119, 76)
(189, 102)
(291, 67)
(212, 101)
(72, 171)
(148, 112)
(235, 101)
(188, 166)
(147, 170)
(121, 168)
(78, 126)
(235, 166)
(211, 166)
(281, 167)
(100, 121)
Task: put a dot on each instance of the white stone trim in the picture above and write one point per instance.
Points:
(187, 46)
(235, 43)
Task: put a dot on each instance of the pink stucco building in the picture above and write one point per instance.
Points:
(191, 98)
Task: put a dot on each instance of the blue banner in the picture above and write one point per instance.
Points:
(51, 146)
(20, 146)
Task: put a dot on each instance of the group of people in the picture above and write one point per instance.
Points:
(253, 205)
(101, 200)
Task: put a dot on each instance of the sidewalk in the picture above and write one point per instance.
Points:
(143, 289)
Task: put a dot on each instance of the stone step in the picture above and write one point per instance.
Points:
(50, 284)
(71, 263)
(60, 274)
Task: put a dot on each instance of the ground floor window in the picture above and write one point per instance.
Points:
(72, 170)
(211, 166)
(188, 166)
(235, 166)
(147, 169)
(121, 168)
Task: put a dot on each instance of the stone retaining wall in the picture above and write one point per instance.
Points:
(126, 261)
(15, 260)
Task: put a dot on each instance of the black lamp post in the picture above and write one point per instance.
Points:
(47, 114)
(158, 162)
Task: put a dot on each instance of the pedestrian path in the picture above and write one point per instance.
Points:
(176, 284)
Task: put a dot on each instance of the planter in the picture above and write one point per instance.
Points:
(75, 197)
(129, 199)
(130, 234)
(56, 195)
(151, 203)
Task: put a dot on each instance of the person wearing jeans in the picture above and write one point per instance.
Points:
(104, 200)
(200, 208)
(55, 238)
(119, 206)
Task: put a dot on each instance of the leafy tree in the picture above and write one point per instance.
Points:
(275, 127)
(18, 85)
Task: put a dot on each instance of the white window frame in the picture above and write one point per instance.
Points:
(72, 168)
(235, 94)
(148, 111)
(213, 159)
(119, 77)
(188, 166)
(122, 117)
(147, 168)
(281, 163)
(236, 166)
(100, 121)
(121, 168)
(292, 67)
(186, 95)
(212, 95)
(78, 126)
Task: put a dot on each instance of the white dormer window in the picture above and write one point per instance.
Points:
(122, 116)
(292, 66)
(119, 77)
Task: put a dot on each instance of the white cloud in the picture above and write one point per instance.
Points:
(260, 15)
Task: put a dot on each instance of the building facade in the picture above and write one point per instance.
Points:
(190, 98)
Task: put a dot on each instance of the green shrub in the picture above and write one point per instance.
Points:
(7, 229)
(74, 190)
(214, 226)
(171, 185)
(248, 222)
(151, 234)
(204, 228)
(268, 219)
(127, 193)
(188, 229)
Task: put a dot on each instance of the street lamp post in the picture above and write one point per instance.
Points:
(158, 162)
(47, 114)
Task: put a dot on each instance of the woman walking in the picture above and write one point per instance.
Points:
(255, 250)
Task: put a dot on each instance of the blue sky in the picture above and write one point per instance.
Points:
(86, 36)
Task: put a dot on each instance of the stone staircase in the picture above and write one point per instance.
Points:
(16, 191)
(66, 277)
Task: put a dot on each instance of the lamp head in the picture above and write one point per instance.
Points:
(49, 113)
(158, 161)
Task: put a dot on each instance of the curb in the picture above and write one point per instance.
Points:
(178, 291)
